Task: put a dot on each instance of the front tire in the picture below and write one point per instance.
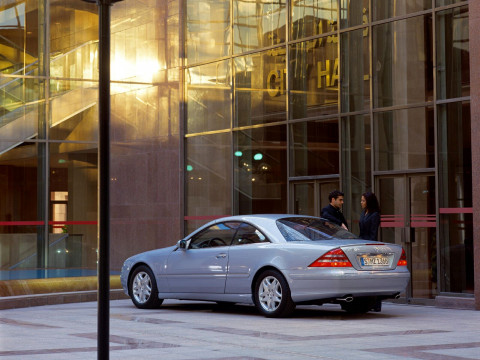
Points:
(143, 290)
(272, 295)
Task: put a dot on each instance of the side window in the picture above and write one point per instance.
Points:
(248, 234)
(214, 236)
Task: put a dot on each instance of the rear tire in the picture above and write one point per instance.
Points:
(272, 295)
(143, 290)
(360, 305)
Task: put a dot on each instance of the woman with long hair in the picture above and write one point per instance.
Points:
(370, 217)
(369, 224)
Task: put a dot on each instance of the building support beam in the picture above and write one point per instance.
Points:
(474, 30)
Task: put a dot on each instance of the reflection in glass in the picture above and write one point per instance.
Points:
(258, 24)
(314, 78)
(354, 12)
(19, 32)
(260, 94)
(73, 40)
(391, 196)
(21, 108)
(384, 9)
(19, 242)
(315, 149)
(456, 251)
(304, 199)
(356, 163)
(453, 64)
(423, 242)
(404, 139)
(74, 112)
(260, 168)
(73, 174)
(208, 175)
(402, 62)
(208, 103)
(207, 30)
(355, 74)
(455, 155)
(313, 17)
(439, 3)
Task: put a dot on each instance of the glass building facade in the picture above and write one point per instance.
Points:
(237, 107)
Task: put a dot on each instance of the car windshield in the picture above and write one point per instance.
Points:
(311, 229)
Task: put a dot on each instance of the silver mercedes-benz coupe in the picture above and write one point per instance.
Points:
(272, 261)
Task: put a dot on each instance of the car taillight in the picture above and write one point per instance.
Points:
(333, 258)
(403, 259)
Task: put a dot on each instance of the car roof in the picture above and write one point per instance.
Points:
(262, 221)
(258, 217)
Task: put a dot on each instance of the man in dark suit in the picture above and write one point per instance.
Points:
(333, 212)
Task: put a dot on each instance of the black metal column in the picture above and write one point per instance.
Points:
(103, 316)
(103, 326)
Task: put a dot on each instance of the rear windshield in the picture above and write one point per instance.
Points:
(311, 229)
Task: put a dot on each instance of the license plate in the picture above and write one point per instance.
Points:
(374, 260)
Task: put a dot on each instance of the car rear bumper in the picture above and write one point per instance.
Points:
(337, 283)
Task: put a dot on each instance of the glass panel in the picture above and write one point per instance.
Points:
(391, 196)
(355, 74)
(21, 229)
(207, 30)
(248, 234)
(258, 24)
(74, 112)
(404, 139)
(304, 199)
(313, 17)
(423, 237)
(455, 184)
(138, 45)
(73, 173)
(215, 236)
(209, 94)
(19, 31)
(314, 78)
(260, 88)
(402, 54)
(453, 64)
(354, 12)
(455, 155)
(456, 241)
(447, 2)
(73, 40)
(22, 111)
(356, 163)
(139, 112)
(260, 167)
(208, 175)
(384, 9)
(315, 148)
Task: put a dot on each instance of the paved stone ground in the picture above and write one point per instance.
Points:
(184, 330)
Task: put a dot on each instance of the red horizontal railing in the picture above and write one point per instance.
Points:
(465, 210)
(40, 223)
(392, 221)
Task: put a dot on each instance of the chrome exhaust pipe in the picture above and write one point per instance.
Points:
(346, 299)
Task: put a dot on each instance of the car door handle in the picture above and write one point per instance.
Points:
(221, 256)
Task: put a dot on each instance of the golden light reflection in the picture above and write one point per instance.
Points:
(143, 70)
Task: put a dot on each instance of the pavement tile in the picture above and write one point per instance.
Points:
(186, 330)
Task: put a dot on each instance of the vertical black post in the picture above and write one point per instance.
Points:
(103, 326)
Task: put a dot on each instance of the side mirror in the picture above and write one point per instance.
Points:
(183, 244)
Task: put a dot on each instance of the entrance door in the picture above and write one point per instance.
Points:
(309, 197)
(408, 218)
